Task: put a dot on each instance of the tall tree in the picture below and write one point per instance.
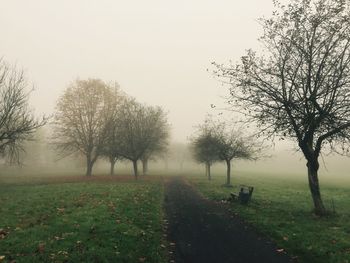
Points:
(81, 119)
(17, 121)
(299, 87)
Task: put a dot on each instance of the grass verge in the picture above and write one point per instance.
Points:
(82, 222)
(281, 209)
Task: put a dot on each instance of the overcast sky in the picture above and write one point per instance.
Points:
(157, 50)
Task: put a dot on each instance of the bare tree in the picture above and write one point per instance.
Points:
(204, 148)
(17, 121)
(230, 144)
(111, 149)
(81, 119)
(157, 135)
(112, 145)
(299, 88)
(143, 131)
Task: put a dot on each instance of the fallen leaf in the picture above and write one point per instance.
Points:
(3, 233)
(41, 248)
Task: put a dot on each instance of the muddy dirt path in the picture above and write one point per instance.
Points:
(203, 231)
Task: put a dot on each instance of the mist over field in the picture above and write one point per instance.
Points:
(41, 159)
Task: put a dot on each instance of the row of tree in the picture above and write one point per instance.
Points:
(218, 141)
(92, 118)
(97, 120)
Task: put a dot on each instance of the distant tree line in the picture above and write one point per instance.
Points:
(97, 120)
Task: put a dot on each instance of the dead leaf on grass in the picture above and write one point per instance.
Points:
(3, 233)
(41, 248)
(60, 210)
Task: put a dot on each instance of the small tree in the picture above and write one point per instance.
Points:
(143, 131)
(204, 149)
(230, 144)
(81, 119)
(111, 149)
(17, 122)
(112, 145)
(299, 88)
(157, 135)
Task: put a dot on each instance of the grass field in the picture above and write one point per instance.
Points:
(96, 220)
(118, 219)
(281, 208)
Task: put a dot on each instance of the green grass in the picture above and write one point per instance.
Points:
(82, 222)
(281, 208)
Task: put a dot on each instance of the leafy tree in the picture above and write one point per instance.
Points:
(17, 121)
(299, 87)
(81, 119)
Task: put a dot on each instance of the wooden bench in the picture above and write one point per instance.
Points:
(244, 194)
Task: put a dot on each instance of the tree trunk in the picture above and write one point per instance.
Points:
(135, 169)
(89, 164)
(315, 187)
(144, 166)
(112, 161)
(228, 164)
(208, 169)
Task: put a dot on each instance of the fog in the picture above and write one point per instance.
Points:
(158, 51)
(41, 159)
